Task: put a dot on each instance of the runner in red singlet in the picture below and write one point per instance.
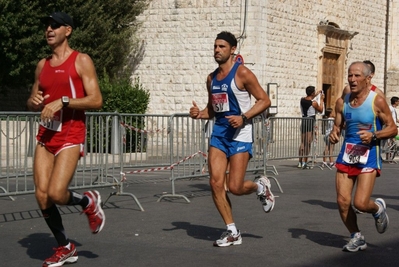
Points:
(65, 85)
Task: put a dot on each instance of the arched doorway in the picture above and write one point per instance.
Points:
(334, 45)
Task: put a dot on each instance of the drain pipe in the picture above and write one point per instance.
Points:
(242, 36)
(386, 46)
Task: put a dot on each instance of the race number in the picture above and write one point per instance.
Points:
(54, 125)
(354, 153)
(220, 102)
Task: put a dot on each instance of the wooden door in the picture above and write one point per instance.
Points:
(330, 77)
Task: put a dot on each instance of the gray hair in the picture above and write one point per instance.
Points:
(366, 68)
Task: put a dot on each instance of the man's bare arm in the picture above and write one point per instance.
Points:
(207, 112)
(338, 122)
(250, 83)
(35, 101)
(93, 99)
(346, 91)
(384, 114)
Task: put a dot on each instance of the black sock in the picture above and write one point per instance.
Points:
(77, 199)
(53, 219)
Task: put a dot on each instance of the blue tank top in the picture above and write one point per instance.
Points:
(353, 152)
(228, 99)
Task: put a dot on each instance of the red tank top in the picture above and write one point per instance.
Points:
(68, 125)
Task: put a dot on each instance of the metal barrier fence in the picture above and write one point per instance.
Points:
(101, 166)
(185, 144)
(284, 139)
(120, 146)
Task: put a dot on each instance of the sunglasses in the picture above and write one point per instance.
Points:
(54, 25)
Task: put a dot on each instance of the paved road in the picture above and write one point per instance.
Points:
(304, 229)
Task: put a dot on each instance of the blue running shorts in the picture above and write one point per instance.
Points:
(230, 147)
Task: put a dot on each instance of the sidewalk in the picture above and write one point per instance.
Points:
(304, 229)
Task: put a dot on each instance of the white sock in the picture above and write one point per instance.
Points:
(356, 234)
(232, 227)
(260, 188)
(68, 246)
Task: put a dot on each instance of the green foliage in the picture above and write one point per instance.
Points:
(21, 41)
(120, 95)
(103, 29)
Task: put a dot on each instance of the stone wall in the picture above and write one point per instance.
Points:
(279, 44)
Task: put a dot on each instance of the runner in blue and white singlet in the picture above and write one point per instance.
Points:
(353, 151)
(229, 89)
(227, 99)
(363, 113)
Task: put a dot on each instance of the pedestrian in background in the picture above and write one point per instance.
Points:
(329, 148)
(309, 106)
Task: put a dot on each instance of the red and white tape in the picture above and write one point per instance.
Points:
(123, 174)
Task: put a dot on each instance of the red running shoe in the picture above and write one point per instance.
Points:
(94, 211)
(62, 255)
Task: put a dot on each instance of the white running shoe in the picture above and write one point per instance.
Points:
(266, 197)
(299, 165)
(381, 221)
(355, 244)
(228, 239)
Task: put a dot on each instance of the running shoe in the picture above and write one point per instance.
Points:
(228, 239)
(266, 197)
(299, 165)
(62, 255)
(355, 244)
(382, 220)
(305, 166)
(94, 211)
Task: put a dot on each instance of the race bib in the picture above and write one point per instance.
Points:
(220, 102)
(354, 154)
(55, 124)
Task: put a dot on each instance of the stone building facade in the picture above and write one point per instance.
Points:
(288, 44)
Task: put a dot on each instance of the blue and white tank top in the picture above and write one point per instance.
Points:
(364, 117)
(228, 99)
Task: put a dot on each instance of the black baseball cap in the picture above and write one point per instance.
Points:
(60, 17)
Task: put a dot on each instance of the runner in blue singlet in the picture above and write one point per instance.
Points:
(359, 161)
(230, 87)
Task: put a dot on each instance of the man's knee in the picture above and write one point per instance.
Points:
(343, 202)
(238, 191)
(216, 184)
(57, 196)
(361, 205)
(41, 196)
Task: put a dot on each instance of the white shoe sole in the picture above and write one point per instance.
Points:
(355, 250)
(235, 243)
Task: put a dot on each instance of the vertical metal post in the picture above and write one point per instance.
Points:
(31, 137)
(115, 135)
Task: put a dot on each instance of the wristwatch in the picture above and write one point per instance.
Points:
(65, 101)
(244, 119)
(374, 137)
